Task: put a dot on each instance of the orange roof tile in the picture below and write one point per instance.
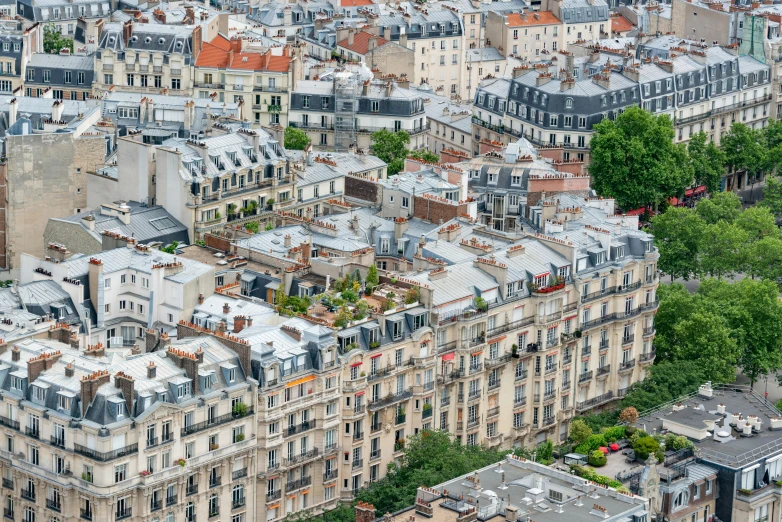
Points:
(620, 24)
(538, 18)
(218, 54)
(354, 3)
(361, 42)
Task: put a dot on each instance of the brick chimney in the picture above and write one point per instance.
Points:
(96, 350)
(188, 362)
(306, 252)
(240, 322)
(39, 364)
(151, 370)
(365, 512)
(226, 308)
(89, 387)
(127, 31)
(125, 384)
(15, 354)
(60, 332)
(69, 370)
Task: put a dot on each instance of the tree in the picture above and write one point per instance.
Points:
(296, 139)
(766, 259)
(772, 196)
(723, 250)
(676, 303)
(372, 278)
(678, 233)
(391, 147)
(579, 431)
(635, 160)
(704, 337)
(425, 155)
(708, 161)
(629, 415)
(757, 222)
(744, 149)
(54, 41)
(723, 206)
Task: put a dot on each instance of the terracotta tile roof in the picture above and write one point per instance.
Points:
(620, 24)
(218, 54)
(361, 42)
(354, 3)
(538, 18)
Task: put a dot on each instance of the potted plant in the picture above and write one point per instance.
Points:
(515, 351)
(239, 437)
(427, 407)
(181, 462)
(213, 447)
(363, 374)
(374, 344)
(269, 203)
(87, 477)
(577, 333)
(145, 473)
(239, 410)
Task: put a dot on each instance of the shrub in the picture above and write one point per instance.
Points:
(597, 458)
(614, 434)
(629, 415)
(579, 431)
(643, 446)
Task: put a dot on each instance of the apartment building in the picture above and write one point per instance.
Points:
(231, 176)
(63, 15)
(527, 35)
(739, 451)
(126, 289)
(474, 14)
(261, 80)
(96, 435)
(437, 39)
(450, 127)
(68, 77)
(343, 109)
(583, 20)
(147, 58)
(284, 22)
(555, 331)
(19, 45)
(702, 88)
(384, 57)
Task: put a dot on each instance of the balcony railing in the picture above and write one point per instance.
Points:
(106, 456)
(591, 403)
(520, 323)
(627, 365)
(53, 504)
(237, 502)
(648, 356)
(241, 473)
(215, 481)
(400, 419)
(171, 500)
(155, 505)
(28, 494)
(357, 463)
(215, 421)
(603, 370)
(192, 489)
(86, 514)
(628, 339)
(300, 428)
(273, 495)
(390, 399)
(8, 423)
(587, 376)
(8, 483)
(374, 455)
(123, 513)
(31, 431)
(9, 513)
(330, 474)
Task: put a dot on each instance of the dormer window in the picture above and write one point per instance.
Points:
(396, 330)
(481, 97)
(183, 390)
(63, 403)
(120, 410)
(232, 375)
(374, 335)
(17, 383)
(419, 321)
(39, 393)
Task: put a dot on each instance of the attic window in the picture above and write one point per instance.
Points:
(148, 39)
(120, 409)
(161, 41)
(17, 383)
(63, 403)
(183, 390)
(134, 38)
(39, 393)
(112, 40)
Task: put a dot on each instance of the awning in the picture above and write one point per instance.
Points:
(359, 363)
(496, 339)
(300, 381)
(273, 506)
(476, 353)
(376, 356)
(359, 394)
(449, 356)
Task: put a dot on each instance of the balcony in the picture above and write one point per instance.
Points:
(102, 456)
(33, 432)
(171, 500)
(400, 419)
(215, 421)
(427, 413)
(647, 357)
(215, 481)
(273, 495)
(553, 317)
(357, 436)
(520, 376)
(86, 514)
(237, 502)
(374, 428)
(330, 475)
(9, 513)
(604, 344)
(584, 377)
(28, 494)
(8, 483)
(627, 366)
(155, 505)
(494, 384)
(381, 372)
(549, 395)
(445, 401)
(471, 423)
(648, 331)
(492, 412)
(520, 323)
(497, 362)
(53, 504)
(628, 339)
(591, 403)
(301, 457)
(297, 484)
(192, 489)
(519, 401)
(604, 370)
(597, 295)
(623, 289)
(474, 395)
(8, 423)
(123, 514)
(300, 428)
(548, 421)
(357, 463)
(390, 399)
(476, 368)
(374, 455)
(499, 129)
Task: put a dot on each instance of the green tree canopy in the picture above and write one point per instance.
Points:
(723, 250)
(744, 148)
(391, 147)
(425, 155)
(54, 41)
(772, 196)
(722, 206)
(678, 233)
(635, 160)
(708, 161)
(296, 139)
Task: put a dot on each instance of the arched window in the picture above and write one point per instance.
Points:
(680, 499)
(569, 103)
(170, 516)
(29, 514)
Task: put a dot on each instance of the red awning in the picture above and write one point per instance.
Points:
(359, 394)
(359, 363)
(376, 356)
(449, 356)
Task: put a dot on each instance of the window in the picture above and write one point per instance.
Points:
(120, 473)
(761, 513)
